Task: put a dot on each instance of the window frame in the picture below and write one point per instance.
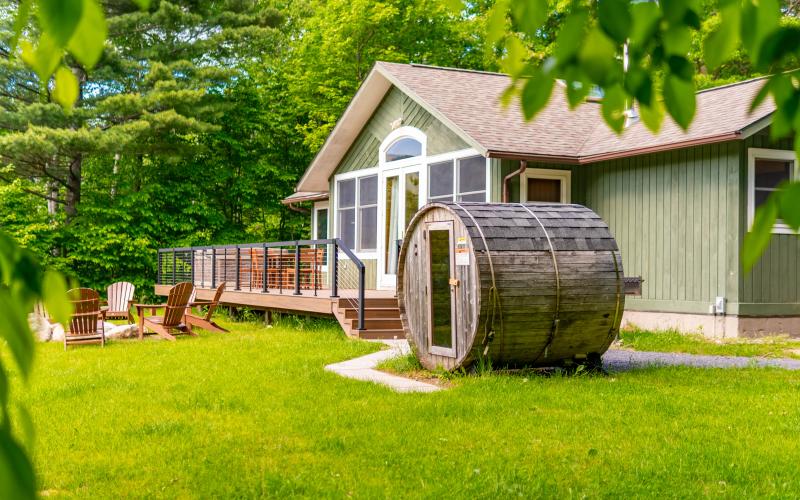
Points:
(754, 154)
(357, 175)
(454, 158)
(565, 176)
(318, 207)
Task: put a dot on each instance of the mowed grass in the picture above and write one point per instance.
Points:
(674, 341)
(253, 413)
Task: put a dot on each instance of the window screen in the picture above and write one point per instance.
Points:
(440, 181)
(472, 179)
(768, 176)
(368, 213)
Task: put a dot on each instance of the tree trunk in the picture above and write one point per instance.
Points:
(73, 196)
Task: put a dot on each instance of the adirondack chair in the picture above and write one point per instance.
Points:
(120, 301)
(86, 323)
(204, 321)
(173, 320)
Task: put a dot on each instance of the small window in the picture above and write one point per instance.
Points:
(768, 170)
(440, 181)
(472, 179)
(545, 185)
(404, 148)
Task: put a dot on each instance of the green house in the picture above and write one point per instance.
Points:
(678, 203)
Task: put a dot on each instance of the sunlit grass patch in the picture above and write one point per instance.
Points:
(674, 341)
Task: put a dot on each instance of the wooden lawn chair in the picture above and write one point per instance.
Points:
(86, 322)
(120, 301)
(204, 321)
(173, 320)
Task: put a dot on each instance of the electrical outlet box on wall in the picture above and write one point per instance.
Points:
(719, 305)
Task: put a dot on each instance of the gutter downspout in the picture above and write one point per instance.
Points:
(522, 166)
(299, 210)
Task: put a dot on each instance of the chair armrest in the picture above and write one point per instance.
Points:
(131, 302)
(150, 305)
(199, 303)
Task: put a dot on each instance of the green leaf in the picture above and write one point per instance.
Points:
(652, 116)
(516, 54)
(536, 93)
(570, 38)
(613, 107)
(762, 20)
(615, 18)
(17, 479)
(679, 100)
(777, 45)
(454, 6)
(578, 86)
(680, 67)
(639, 84)
(44, 59)
(59, 18)
(496, 22)
(598, 58)
(677, 41)
(89, 39)
(14, 328)
(789, 205)
(759, 236)
(66, 88)
(529, 14)
(674, 10)
(143, 4)
(54, 293)
(3, 392)
(645, 17)
(20, 21)
(720, 44)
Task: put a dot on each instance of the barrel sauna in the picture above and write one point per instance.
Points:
(534, 284)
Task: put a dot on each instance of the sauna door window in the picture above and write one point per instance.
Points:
(441, 284)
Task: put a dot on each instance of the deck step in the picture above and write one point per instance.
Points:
(373, 313)
(380, 334)
(378, 324)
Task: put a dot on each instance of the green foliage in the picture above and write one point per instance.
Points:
(649, 53)
(22, 282)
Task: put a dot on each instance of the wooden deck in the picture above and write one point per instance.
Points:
(382, 314)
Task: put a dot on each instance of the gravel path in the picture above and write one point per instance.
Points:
(619, 360)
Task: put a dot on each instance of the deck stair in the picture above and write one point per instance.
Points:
(381, 318)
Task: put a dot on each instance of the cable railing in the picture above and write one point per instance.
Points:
(300, 267)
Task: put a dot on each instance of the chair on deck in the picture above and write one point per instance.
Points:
(205, 321)
(173, 321)
(86, 323)
(120, 301)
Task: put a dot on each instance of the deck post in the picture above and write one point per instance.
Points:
(238, 267)
(213, 267)
(296, 268)
(361, 274)
(264, 270)
(174, 262)
(335, 270)
(280, 270)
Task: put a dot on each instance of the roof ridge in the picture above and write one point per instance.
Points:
(449, 68)
(732, 84)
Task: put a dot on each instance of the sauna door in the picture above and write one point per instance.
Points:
(442, 287)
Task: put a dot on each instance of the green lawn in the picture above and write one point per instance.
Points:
(252, 413)
(673, 341)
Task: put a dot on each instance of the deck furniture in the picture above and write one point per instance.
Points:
(86, 325)
(173, 320)
(204, 321)
(120, 300)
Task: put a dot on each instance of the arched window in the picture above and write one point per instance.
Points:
(403, 148)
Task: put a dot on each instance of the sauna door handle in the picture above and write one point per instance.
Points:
(454, 282)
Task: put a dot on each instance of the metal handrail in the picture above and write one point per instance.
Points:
(188, 266)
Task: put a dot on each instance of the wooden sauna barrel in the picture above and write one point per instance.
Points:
(534, 284)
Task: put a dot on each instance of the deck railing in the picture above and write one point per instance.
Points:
(299, 267)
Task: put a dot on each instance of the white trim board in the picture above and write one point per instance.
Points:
(766, 154)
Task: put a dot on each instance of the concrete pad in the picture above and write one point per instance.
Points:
(363, 369)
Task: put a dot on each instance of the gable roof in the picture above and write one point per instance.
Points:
(468, 102)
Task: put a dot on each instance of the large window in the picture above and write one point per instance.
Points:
(768, 169)
(458, 180)
(357, 203)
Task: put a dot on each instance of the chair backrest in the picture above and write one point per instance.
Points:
(41, 311)
(215, 302)
(119, 294)
(86, 311)
(177, 300)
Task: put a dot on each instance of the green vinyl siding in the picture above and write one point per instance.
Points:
(364, 151)
(773, 285)
(675, 217)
